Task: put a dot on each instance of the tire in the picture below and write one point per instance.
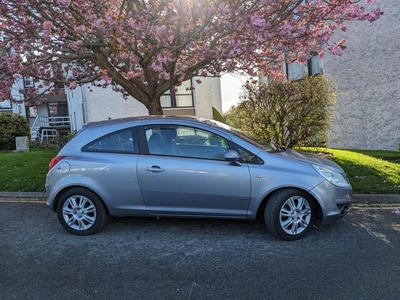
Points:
(81, 212)
(289, 214)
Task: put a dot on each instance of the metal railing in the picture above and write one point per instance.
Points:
(49, 123)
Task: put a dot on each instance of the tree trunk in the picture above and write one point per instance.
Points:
(154, 107)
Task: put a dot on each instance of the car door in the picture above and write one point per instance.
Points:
(109, 167)
(184, 174)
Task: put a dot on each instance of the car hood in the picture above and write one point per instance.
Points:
(309, 158)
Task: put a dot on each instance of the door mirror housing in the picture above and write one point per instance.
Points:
(233, 157)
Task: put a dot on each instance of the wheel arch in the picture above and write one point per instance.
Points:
(261, 207)
(66, 189)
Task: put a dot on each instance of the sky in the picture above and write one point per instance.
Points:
(231, 88)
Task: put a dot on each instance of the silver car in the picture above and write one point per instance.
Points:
(160, 166)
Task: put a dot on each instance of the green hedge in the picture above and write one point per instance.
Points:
(11, 126)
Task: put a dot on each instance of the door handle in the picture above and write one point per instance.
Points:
(155, 169)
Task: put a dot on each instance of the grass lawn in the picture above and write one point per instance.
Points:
(370, 172)
(24, 171)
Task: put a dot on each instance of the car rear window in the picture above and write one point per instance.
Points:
(117, 142)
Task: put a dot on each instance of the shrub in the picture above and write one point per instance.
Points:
(54, 143)
(286, 113)
(217, 116)
(11, 126)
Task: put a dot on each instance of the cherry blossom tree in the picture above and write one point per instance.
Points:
(143, 48)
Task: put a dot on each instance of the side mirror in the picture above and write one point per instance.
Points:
(233, 157)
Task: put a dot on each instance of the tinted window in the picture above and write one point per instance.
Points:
(120, 141)
(185, 141)
(247, 157)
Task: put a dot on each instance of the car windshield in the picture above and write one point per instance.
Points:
(269, 147)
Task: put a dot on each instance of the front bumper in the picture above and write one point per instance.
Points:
(335, 202)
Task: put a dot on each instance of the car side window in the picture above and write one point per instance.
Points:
(247, 157)
(185, 141)
(116, 142)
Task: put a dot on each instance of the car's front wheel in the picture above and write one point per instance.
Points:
(81, 212)
(289, 214)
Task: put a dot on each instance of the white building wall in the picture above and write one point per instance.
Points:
(18, 108)
(368, 82)
(216, 94)
(76, 107)
(102, 104)
(206, 95)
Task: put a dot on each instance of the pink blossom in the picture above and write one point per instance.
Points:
(132, 23)
(333, 26)
(47, 25)
(63, 2)
(162, 30)
(258, 21)
(72, 85)
(157, 67)
(80, 29)
(181, 77)
(161, 58)
(99, 24)
(336, 50)
(162, 40)
(105, 77)
(166, 76)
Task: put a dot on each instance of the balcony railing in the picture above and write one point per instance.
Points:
(42, 126)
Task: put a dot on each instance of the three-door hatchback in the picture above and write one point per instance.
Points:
(160, 166)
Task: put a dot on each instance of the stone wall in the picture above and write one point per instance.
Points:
(367, 78)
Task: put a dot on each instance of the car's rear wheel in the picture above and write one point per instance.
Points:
(81, 212)
(289, 214)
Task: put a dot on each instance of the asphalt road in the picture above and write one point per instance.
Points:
(138, 258)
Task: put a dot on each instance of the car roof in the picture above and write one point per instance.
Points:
(143, 119)
(114, 124)
(101, 127)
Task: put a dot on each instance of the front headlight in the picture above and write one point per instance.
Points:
(333, 177)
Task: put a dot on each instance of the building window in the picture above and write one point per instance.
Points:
(314, 65)
(33, 111)
(296, 71)
(57, 109)
(181, 96)
(28, 82)
(59, 85)
(5, 104)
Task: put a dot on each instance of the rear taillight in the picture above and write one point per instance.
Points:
(54, 161)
